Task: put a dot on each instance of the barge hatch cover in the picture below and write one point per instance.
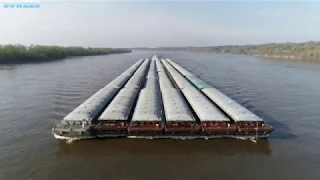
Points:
(159, 66)
(120, 107)
(231, 107)
(178, 78)
(164, 80)
(205, 110)
(120, 80)
(200, 84)
(183, 71)
(148, 107)
(175, 107)
(136, 80)
(152, 70)
(89, 110)
(143, 66)
(133, 68)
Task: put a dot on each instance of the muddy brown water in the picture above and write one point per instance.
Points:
(34, 97)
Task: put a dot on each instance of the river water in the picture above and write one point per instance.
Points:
(34, 97)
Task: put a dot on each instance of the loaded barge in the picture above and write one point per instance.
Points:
(157, 98)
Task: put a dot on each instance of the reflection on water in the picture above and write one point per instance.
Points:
(300, 61)
(165, 146)
(3, 67)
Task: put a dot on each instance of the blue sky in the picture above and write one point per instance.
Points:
(161, 23)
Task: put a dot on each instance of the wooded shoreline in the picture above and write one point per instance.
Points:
(11, 54)
(304, 51)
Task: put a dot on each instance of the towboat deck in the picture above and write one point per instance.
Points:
(159, 98)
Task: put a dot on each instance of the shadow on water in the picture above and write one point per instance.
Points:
(163, 147)
(281, 130)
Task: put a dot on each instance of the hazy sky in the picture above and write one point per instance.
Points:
(156, 23)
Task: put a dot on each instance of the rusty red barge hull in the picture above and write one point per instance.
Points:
(202, 130)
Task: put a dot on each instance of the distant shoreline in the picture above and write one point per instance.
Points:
(295, 51)
(18, 54)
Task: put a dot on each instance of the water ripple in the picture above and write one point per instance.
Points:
(35, 97)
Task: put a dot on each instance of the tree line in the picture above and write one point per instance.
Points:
(307, 50)
(20, 53)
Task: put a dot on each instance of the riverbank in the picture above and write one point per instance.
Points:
(296, 51)
(12, 54)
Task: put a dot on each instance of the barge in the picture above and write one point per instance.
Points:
(147, 118)
(179, 119)
(158, 98)
(114, 120)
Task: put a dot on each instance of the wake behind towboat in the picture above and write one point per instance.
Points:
(160, 99)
